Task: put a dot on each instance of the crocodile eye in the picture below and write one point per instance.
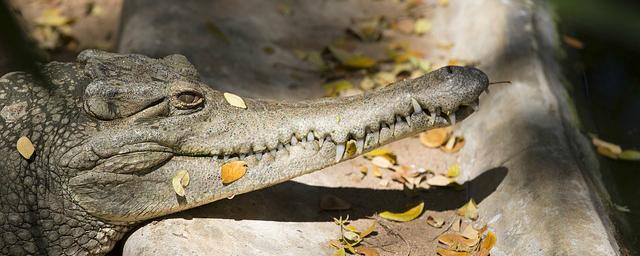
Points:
(188, 99)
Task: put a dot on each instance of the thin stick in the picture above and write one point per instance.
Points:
(500, 82)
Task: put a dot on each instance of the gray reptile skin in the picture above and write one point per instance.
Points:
(115, 129)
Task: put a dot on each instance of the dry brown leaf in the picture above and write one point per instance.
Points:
(469, 210)
(232, 171)
(369, 230)
(180, 181)
(455, 226)
(334, 203)
(405, 25)
(234, 100)
(445, 252)
(335, 88)
(364, 169)
(572, 42)
(454, 144)
(613, 148)
(435, 221)
(487, 243)
(408, 215)
(438, 180)
(52, 17)
(422, 26)
(457, 241)
(469, 232)
(376, 172)
(367, 251)
(340, 252)
(25, 147)
(435, 137)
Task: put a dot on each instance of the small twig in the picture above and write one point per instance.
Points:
(447, 229)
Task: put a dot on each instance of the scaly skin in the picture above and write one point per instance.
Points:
(115, 129)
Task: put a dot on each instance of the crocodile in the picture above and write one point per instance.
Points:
(111, 131)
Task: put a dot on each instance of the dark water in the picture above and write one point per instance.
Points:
(606, 79)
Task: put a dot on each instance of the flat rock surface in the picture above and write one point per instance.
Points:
(517, 162)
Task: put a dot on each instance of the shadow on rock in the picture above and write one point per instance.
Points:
(299, 202)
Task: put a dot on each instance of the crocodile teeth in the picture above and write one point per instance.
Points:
(416, 106)
(310, 136)
(259, 156)
(339, 152)
(359, 145)
(294, 140)
(280, 146)
(226, 158)
(487, 90)
(321, 141)
(475, 106)
(408, 118)
(452, 118)
(242, 156)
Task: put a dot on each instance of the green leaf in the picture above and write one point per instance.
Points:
(632, 155)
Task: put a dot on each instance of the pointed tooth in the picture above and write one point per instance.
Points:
(433, 118)
(392, 127)
(273, 152)
(310, 136)
(242, 156)
(321, 141)
(339, 152)
(294, 140)
(416, 106)
(226, 158)
(280, 146)
(452, 118)
(359, 145)
(259, 156)
(408, 118)
(287, 147)
(475, 105)
(398, 119)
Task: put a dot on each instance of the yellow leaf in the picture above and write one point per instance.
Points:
(487, 243)
(438, 180)
(369, 230)
(469, 232)
(409, 215)
(422, 26)
(615, 149)
(364, 169)
(333, 203)
(52, 17)
(234, 100)
(457, 241)
(25, 147)
(350, 149)
(381, 152)
(359, 62)
(334, 88)
(445, 252)
(456, 225)
(436, 222)
(453, 171)
(435, 137)
(180, 181)
(367, 84)
(632, 155)
(232, 171)
(376, 171)
(469, 210)
(443, 3)
(340, 252)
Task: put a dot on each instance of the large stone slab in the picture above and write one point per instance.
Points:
(522, 160)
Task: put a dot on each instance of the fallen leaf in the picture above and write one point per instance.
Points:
(384, 152)
(422, 26)
(408, 215)
(573, 42)
(369, 230)
(628, 154)
(334, 88)
(445, 252)
(340, 252)
(438, 180)
(435, 137)
(52, 17)
(487, 243)
(422, 64)
(216, 32)
(367, 84)
(384, 78)
(364, 169)
(384, 182)
(455, 226)
(622, 208)
(351, 236)
(443, 3)
(453, 171)
(180, 181)
(444, 45)
(232, 171)
(25, 147)
(469, 210)
(367, 251)
(454, 144)
(369, 30)
(234, 100)
(405, 25)
(334, 203)
(469, 232)
(382, 162)
(350, 149)
(613, 148)
(376, 172)
(457, 241)
(268, 50)
(607, 152)
(351, 60)
(436, 222)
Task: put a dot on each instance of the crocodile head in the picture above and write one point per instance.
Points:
(153, 118)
